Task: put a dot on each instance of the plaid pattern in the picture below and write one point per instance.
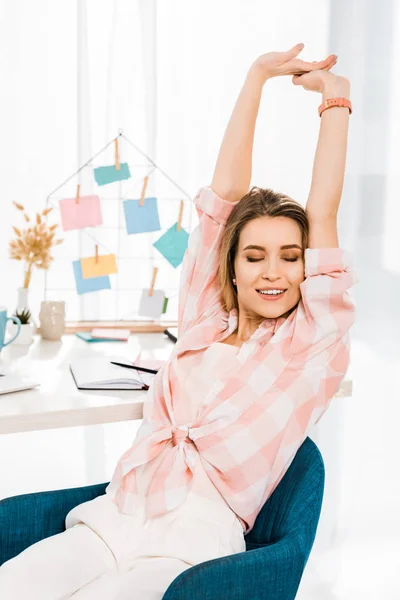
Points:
(255, 417)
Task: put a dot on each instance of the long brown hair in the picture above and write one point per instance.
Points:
(258, 202)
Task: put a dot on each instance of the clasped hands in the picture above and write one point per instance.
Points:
(313, 76)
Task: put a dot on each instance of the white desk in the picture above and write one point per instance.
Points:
(57, 403)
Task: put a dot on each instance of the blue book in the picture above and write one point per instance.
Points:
(87, 336)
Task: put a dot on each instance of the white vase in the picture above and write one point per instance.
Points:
(22, 303)
(25, 337)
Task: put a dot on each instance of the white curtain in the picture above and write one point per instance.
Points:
(165, 73)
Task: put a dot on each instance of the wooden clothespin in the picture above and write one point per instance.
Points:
(78, 187)
(179, 225)
(117, 165)
(153, 281)
(96, 260)
(143, 192)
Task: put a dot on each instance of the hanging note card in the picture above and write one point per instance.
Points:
(95, 284)
(173, 244)
(152, 306)
(140, 219)
(103, 264)
(104, 175)
(77, 215)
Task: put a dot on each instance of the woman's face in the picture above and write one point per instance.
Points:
(270, 265)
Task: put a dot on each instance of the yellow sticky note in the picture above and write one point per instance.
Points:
(105, 265)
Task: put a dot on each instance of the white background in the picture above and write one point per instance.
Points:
(70, 78)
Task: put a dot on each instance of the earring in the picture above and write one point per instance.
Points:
(234, 281)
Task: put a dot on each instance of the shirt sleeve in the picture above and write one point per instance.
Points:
(198, 289)
(326, 310)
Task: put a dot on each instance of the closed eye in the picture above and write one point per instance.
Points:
(258, 259)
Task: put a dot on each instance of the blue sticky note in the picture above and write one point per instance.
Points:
(140, 219)
(93, 284)
(109, 174)
(173, 245)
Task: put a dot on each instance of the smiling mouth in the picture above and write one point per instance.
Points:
(267, 289)
(271, 297)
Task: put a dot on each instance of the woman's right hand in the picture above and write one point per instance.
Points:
(275, 64)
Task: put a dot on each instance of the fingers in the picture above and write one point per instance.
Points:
(322, 64)
(305, 67)
(328, 67)
(294, 51)
(296, 80)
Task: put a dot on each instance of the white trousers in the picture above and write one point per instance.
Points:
(106, 555)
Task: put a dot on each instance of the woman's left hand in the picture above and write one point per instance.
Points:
(319, 81)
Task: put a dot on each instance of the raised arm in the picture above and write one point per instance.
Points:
(330, 158)
(326, 310)
(232, 174)
(233, 168)
(198, 290)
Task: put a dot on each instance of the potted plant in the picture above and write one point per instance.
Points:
(32, 245)
(27, 328)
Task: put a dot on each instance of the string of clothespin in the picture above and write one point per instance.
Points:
(153, 281)
(179, 225)
(143, 192)
(78, 187)
(117, 165)
(96, 260)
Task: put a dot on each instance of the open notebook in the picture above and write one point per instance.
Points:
(98, 373)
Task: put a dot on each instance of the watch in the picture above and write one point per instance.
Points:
(342, 102)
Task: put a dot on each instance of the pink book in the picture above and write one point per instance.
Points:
(110, 334)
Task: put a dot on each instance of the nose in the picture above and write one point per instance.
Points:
(271, 271)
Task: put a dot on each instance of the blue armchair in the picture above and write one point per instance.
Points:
(277, 548)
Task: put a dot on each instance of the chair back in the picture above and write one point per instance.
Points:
(296, 501)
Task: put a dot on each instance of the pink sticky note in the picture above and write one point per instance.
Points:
(85, 213)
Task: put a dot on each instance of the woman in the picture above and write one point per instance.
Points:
(264, 319)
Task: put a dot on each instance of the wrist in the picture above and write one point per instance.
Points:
(339, 87)
(256, 76)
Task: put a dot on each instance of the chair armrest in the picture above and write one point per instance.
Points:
(267, 573)
(28, 518)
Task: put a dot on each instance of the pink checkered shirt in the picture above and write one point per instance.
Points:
(253, 420)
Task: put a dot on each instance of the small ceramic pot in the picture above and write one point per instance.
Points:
(25, 337)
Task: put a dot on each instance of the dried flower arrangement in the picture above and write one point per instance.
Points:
(34, 243)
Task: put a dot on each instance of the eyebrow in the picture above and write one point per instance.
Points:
(286, 247)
